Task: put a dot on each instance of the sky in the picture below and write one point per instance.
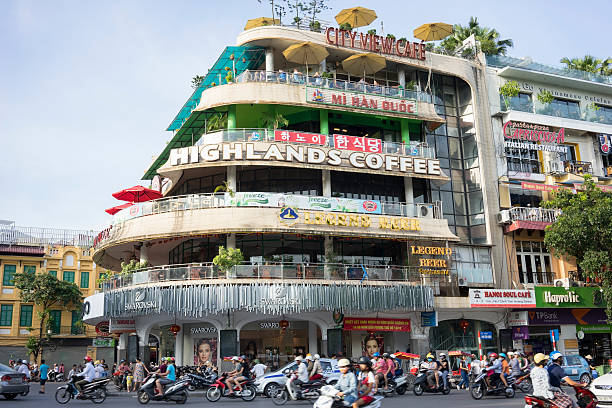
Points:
(87, 88)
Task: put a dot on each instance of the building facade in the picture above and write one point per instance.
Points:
(555, 130)
(359, 201)
(64, 254)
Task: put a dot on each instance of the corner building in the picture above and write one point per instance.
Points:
(357, 206)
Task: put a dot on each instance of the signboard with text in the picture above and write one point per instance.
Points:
(359, 100)
(486, 335)
(358, 144)
(553, 296)
(376, 324)
(299, 137)
(550, 317)
(502, 298)
(429, 319)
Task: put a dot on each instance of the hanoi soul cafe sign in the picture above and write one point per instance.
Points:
(375, 43)
(521, 135)
(502, 298)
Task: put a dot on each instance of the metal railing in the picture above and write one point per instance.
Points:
(418, 149)
(570, 166)
(529, 166)
(534, 214)
(294, 271)
(300, 79)
(13, 235)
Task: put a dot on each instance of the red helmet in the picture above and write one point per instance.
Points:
(494, 355)
(87, 358)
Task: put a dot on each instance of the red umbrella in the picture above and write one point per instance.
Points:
(137, 194)
(114, 210)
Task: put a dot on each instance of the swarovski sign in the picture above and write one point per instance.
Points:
(243, 151)
(140, 302)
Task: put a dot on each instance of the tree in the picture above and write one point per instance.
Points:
(314, 8)
(583, 231)
(297, 7)
(46, 291)
(489, 40)
(216, 122)
(273, 120)
(589, 64)
(228, 258)
(196, 81)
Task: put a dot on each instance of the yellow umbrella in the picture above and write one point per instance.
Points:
(305, 53)
(261, 21)
(356, 16)
(366, 63)
(433, 31)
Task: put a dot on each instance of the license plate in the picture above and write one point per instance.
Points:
(15, 380)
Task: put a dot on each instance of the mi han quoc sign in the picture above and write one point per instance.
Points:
(376, 324)
(361, 101)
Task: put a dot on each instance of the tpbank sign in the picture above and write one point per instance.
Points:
(579, 297)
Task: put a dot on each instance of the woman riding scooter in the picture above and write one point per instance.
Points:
(347, 383)
(366, 382)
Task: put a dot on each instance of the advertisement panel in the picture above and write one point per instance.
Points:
(122, 325)
(358, 144)
(376, 324)
(502, 298)
(553, 297)
(518, 319)
(429, 319)
(299, 137)
(550, 317)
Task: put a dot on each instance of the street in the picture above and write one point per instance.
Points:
(456, 399)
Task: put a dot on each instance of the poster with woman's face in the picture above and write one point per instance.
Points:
(204, 350)
(372, 344)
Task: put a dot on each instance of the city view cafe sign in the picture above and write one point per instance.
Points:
(375, 43)
(288, 153)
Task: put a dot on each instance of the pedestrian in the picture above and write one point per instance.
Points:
(139, 373)
(44, 376)
(24, 369)
(465, 379)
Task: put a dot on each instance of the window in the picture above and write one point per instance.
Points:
(6, 315)
(84, 279)
(604, 114)
(8, 278)
(76, 326)
(69, 276)
(523, 161)
(69, 260)
(29, 269)
(522, 102)
(534, 264)
(54, 273)
(103, 277)
(562, 108)
(55, 321)
(25, 315)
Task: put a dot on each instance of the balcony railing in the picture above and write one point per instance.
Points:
(570, 166)
(296, 271)
(269, 135)
(534, 214)
(301, 79)
(13, 235)
(516, 104)
(529, 166)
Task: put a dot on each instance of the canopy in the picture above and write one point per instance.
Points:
(356, 16)
(366, 63)
(261, 21)
(137, 194)
(433, 31)
(114, 210)
(406, 356)
(305, 53)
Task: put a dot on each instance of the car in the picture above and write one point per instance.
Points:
(12, 383)
(577, 368)
(602, 388)
(269, 383)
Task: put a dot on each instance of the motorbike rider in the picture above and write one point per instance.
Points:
(88, 373)
(505, 368)
(316, 373)
(302, 373)
(24, 369)
(432, 371)
(541, 383)
(390, 365)
(444, 369)
(556, 374)
(494, 369)
(398, 365)
(347, 383)
(170, 377)
(233, 375)
(380, 368)
(366, 383)
(515, 364)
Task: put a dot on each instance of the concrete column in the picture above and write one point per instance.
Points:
(312, 338)
(326, 180)
(269, 59)
(328, 246)
(405, 131)
(144, 253)
(401, 77)
(231, 117)
(231, 177)
(230, 241)
(324, 342)
(122, 347)
(324, 121)
(143, 344)
(178, 346)
(408, 190)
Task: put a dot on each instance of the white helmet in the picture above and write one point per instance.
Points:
(344, 363)
(25, 361)
(309, 358)
(299, 358)
(316, 356)
(392, 356)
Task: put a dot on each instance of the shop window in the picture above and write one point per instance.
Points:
(280, 180)
(367, 187)
(561, 108)
(534, 262)
(522, 102)
(8, 278)
(473, 264)
(523, 161)
(6, 315)
(604, 114)
(25, 315)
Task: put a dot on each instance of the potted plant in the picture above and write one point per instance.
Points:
(315, 26)
(227, 259)
(509, 90)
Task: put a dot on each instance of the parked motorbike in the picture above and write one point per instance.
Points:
(398, 384)
(306, 391)
(198, 380)
(584, 397)
(329, 399)
(176, 392)
(94, 391)
(421, 385)
(218, 389)
(479, 388)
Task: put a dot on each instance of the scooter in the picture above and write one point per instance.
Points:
(421, 385)
(584, 397)
(307, 391)
(94, 391)
(176, 392)
(399, 384)
(219, 389)
(523, 383)
(480, 388)
(329, 399)
(197, 380)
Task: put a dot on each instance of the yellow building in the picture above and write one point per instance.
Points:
(64, 254)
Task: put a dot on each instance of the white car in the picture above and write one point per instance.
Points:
(269, 383)
(602, 388)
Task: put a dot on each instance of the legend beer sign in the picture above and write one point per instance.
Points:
(358, 100)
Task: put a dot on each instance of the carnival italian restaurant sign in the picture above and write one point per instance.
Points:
(374, 43)
(376, 324)
(245, 151)
(502, 298)
(361, 100)
(521, 135)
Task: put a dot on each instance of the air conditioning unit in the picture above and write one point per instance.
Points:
(529, 285)
(503, 217)
(562, 283)
(425, 211)
(461, 281)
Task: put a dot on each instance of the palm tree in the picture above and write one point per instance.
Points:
(216, 122)
(589, 64)
(489, 40)
(273, 120)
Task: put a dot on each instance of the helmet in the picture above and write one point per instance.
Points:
(392, 356)
(503, 355)
(442, 356)
(97, 362)
(588, 357)
(309, 357)
(344, 363)
(299, 358)
(430, 356)
(385, 355)
(538, 358)
(377, 354)
(316, 356)
(87, 358)
(365, 360)
(25, 361)
(555, 355)
(256, 361)
(235, 358)
(243, 357)
(493, 355)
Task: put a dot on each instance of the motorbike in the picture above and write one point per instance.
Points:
(329, 399)
(94, 391)
(399, 384)
(176, 392)
(479, 388)
(306, 391)
(523, 382)
(219, 389)
(584, 397)
(118, 380)
(421, 385)
(56, 376)
(198, 380)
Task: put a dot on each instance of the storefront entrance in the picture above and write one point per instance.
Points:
(596, 342)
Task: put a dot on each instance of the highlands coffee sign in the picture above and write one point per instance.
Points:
(375, 43)
(521, 135)
(244, 151)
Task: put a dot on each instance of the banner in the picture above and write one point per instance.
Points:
(555, 296)
(502, 298)
(104, 342)
(358, 144)
(518, 319)
(550, 317)
(520, 333)
(376, 324)
(429, 319)
(299, 137)
(122, 325)
(538, 187)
